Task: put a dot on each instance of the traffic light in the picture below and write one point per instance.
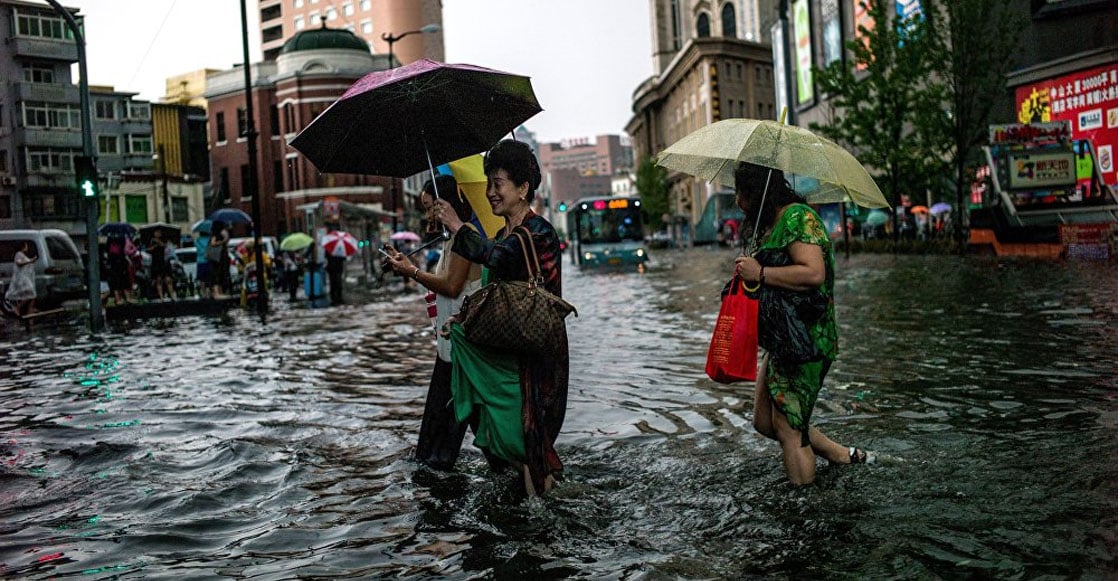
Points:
(86, 171)
(562, 207)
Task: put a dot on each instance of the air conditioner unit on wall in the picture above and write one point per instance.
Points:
(8, 181)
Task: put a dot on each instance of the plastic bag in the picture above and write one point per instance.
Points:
(784, 317)
(733, 351)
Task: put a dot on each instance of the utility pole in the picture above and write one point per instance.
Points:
(251, 187)
(93, 279)
(166, 194)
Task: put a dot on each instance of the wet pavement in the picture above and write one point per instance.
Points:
(221, 447)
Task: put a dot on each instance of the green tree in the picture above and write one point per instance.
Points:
(653, 188)
(975, 42)
(884, 108)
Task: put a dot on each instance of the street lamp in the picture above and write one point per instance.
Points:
(390, 38)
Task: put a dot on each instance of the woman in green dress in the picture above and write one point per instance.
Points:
(787, 391)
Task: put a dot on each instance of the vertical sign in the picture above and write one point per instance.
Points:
(908, 13)
(830, 28)
(804, 51)
(862, 18)
(777, 46)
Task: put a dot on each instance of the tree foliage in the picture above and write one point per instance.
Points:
(884, 108)
(653, 188)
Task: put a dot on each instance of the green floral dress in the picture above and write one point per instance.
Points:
(794, 388)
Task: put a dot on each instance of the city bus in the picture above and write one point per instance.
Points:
(606, 232)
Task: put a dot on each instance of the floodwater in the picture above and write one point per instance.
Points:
(204, 448)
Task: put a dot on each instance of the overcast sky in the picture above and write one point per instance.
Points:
(585, 57)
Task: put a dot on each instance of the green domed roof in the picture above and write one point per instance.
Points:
(319, 38)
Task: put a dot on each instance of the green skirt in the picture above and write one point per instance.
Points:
(488, 383)
(794, 390)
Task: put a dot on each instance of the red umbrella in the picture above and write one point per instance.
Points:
(339, 243)
(402, 121)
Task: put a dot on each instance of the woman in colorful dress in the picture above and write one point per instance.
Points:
(787, 391)
(516, 402)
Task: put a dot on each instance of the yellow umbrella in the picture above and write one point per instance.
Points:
(712, 153)
(472, 180)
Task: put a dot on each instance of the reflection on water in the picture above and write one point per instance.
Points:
(206, 447)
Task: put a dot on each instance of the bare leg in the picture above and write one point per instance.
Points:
(765, 412)
(798, 460)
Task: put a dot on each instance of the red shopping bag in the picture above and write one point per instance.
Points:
(733, 352)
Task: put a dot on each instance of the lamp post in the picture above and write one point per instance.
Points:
(163, 179)
(391, 38)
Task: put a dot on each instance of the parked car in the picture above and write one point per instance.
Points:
(59, 272)
(188, 258)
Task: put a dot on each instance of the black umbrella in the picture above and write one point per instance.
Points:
(167, 232)
(403, 121)
(230, 216)
(117, 229)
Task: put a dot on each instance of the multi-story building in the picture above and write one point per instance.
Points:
(580, 168)
(712, 61)
(122, 130)
(368, 19)
(310, 72)
(40, 120)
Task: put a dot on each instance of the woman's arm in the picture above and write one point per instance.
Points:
(451, 283)
(806, 273)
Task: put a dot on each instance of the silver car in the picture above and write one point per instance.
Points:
(59, 272)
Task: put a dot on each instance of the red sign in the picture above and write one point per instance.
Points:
(1087, 100)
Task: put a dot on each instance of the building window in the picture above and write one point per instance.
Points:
(179, 212)
(140, 144)
(348, 9)
(47, 159)
(4, 160)
(314, 18)
(5, 207)
(367, 27)
(727, 19)
(278, 176)
(297, 3)
(223, 184)
(52, 115)
(220, 127)
(298, 22)
(38, 74)
(105, 109)
(245, 175)
(332, 14)
(139, 110)
(703, 26)
(35, 23)
(365, 5)
(274, 120)
(108, 144)
(242, 123)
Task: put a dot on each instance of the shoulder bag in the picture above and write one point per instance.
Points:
(516, 316)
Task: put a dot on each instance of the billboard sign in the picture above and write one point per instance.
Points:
(778, 49)
(1042, 169)
(801, 32)
(1086, 99)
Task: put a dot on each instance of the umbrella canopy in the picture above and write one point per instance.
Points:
(712, 153)
(877, 218)
(471, 179)
(402, 121)
(167, 232)
(339, 243)
(296, 241)
(405, 236)
(230, 216)
(202, 226)
(117, 229)
(940, 208)
(919, 210)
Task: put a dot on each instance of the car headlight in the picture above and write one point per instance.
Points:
(640, 252)
(587, 256)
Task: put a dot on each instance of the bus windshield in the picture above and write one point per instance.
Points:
(600, 224)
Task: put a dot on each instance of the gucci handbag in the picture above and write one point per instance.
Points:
(516, 316)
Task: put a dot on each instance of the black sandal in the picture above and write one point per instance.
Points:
(859, 456)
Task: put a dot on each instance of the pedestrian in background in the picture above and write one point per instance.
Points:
(451, 280)
(336, 269)
(202, 264)
(517, 402)
(120, 283)
(292, 269)
(786, 392)
(21, 289)
(160, 268)
(217, 254)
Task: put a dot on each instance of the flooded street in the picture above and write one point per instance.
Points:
(200, 448)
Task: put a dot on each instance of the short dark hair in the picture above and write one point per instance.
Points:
(519, 161)
(449, 190)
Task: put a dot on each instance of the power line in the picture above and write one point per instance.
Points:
(140, 65)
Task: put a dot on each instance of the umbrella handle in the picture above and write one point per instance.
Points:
(432, 171)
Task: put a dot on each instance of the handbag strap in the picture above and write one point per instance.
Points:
(535, 277)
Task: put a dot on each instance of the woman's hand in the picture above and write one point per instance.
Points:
(446, 214)
(399, 262)
(748, 268)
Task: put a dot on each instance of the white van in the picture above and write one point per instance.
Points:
(59, 272)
